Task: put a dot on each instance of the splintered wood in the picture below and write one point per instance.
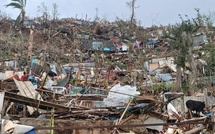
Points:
(27, 89)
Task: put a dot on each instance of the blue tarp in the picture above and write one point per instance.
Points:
(31, 132)
(164, 77)
(106, 49)
(151, 42)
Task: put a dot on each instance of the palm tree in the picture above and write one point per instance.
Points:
(19, 4)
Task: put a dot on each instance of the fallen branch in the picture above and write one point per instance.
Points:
(195, 130)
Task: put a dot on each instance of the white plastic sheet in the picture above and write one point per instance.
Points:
(10, 127)
(120, 95)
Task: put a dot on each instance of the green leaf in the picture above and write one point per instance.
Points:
(14, 5)
(18, 1)
(18, 19)
(25, 2)
(22, 2)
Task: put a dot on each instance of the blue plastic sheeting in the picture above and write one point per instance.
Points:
(31, 132)
(151, 42)
(141, 105)
(208, 114)
(106, 49)
(164, 77)
(65, 70)
(111, 117)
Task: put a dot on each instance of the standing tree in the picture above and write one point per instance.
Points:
(131, 5)
(55, 13)
(182, 42)
(179, 46)
(43, 9)
(96, 17)
(19, 4)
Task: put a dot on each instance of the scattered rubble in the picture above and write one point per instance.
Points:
(87, 97)
(102, 86)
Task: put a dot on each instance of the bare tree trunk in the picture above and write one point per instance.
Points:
(23, 18)
(132, 10)
(30, 51)
(178, 79)
(192, 61)
(193, 74)
(131, 5)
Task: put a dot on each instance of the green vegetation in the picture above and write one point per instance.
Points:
(181, 36)
(18, 4)
(159, 87)
(51, 44)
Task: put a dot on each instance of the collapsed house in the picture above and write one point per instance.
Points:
(87, 97)
(100, 97)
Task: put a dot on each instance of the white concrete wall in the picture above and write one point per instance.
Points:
(181, 106)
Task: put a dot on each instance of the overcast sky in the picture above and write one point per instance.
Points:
(149, 12)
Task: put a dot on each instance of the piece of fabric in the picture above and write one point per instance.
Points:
(24, 77)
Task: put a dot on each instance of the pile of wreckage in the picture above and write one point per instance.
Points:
(100, 99)
(80, 98)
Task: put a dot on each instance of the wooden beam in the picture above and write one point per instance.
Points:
(30, 47)
(49, 92)
(34, 103)
(195, 130)
(92, 97)
(1, 103)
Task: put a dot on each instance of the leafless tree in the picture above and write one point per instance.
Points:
(55, 13)
(131, 5)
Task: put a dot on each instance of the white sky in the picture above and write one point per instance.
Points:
(150, 12)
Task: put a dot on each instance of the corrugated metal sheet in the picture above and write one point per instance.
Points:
(168, 62)
(87, 65)
(37, 66)
(198, 40)
(27, 89)
(3, 76)
(7, 75)
(83, 36)
(98, 45)
(64, 81)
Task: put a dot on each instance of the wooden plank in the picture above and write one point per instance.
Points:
(212, 120)
(1, 103)
(34, 103)
(30, 47)
(27, 89)
(49, 93)
(97, 97)
(195, 130)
